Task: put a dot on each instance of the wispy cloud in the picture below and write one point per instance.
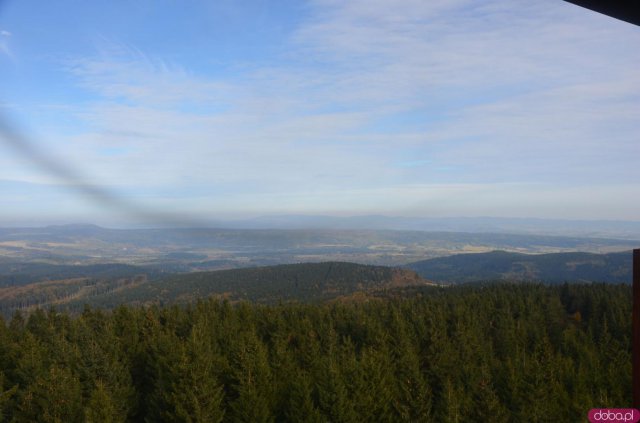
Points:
(4, 44)
(369, 101)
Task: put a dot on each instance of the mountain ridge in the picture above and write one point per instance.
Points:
(549, 268)
(301, 282)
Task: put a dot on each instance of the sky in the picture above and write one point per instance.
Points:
(117, 111)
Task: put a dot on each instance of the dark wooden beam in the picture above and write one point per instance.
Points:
(625, 10)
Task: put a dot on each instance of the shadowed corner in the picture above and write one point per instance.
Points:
(624, 10)
(12, 137)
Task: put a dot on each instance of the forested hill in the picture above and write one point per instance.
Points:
(271, 284)
(295, 282)
(20, 273)
(549, 268)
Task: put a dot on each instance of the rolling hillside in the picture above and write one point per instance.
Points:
(548, 268)
(271, 284)
(21, 273)
(295, 282)
(25, 286)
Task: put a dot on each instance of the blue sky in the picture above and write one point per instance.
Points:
(234, 109)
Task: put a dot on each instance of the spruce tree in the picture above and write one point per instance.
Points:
(101, 407)
(193, 393)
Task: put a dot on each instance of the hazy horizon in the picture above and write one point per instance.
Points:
(603, 229)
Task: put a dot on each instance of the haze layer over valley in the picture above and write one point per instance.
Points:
(220, 248)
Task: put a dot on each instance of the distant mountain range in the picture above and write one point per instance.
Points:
(619, 229)
(532, 226)
(549, 268)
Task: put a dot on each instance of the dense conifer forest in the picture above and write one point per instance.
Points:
(498, 352)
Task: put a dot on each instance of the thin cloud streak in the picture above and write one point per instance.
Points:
(4, 44)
